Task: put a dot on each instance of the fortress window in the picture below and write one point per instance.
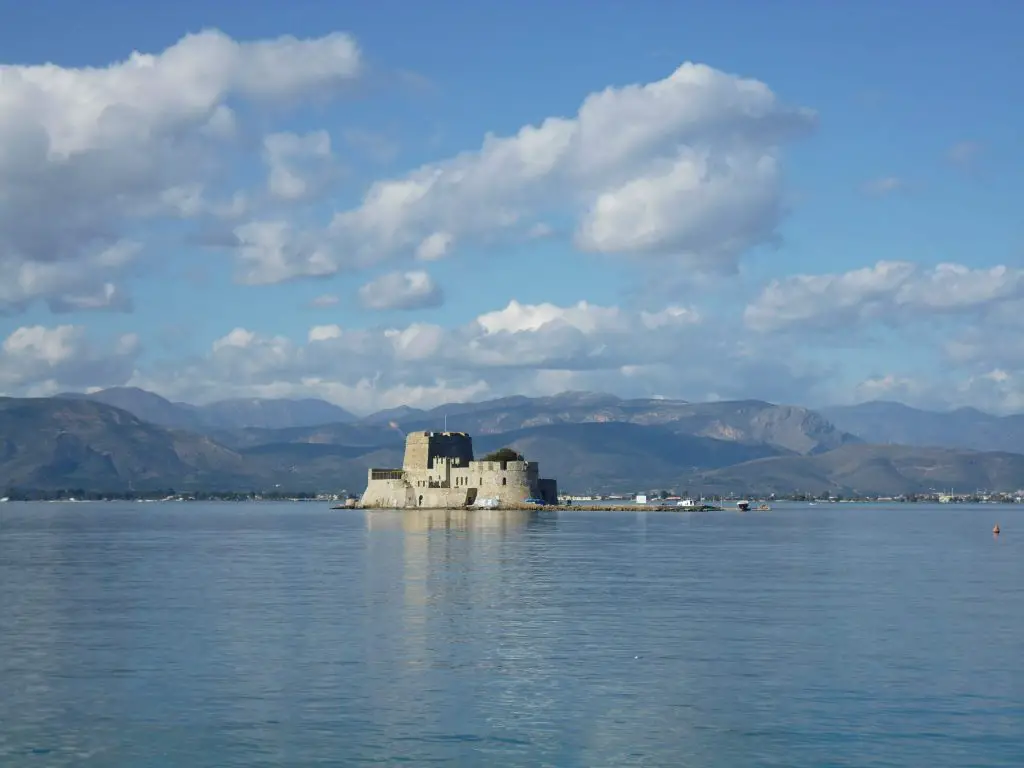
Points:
(504, 481)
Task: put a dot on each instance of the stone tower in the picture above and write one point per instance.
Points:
(421, 448)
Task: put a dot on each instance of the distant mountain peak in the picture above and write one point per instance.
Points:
(889, 422)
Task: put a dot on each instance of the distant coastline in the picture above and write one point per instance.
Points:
(616, 501)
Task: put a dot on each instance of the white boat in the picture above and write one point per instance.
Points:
(487, 503)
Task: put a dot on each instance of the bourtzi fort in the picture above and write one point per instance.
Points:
(439, 472)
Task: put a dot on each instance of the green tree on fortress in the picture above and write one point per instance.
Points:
(503, 454)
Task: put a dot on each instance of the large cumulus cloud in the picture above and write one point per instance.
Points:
(89, 155)
(687, 167)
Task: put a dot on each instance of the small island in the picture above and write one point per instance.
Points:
(440, 472)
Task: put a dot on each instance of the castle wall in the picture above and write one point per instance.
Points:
(388, 494)
(441, 498)
(510, 482)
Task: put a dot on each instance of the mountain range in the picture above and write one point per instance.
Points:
(124, 438)
(889, 422)
(223, 414)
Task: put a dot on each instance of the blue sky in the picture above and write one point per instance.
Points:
(792, 254)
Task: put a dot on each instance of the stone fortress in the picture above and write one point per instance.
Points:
(439, 472)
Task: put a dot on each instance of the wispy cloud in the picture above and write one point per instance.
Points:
(374, 145)
(883, 186)
(964, 154)
(324, 301)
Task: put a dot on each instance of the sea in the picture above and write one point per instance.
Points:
(291, 634)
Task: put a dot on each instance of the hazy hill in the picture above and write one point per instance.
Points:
(145, 405)
(618, 456)
(62, 443)
(595, 456)
(272, 414)
(316, 466)
(890, 422)
(56, 443)
(361, 435)
(52, 443)
(790, 428)
(871, 470)
(223, 414)
(388, 415)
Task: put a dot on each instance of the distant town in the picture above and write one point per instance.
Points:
(659, 497)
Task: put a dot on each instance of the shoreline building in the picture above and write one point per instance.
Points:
(439, 472)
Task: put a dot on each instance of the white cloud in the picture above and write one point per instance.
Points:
(889, 292)
(686, 167)
(38, 359)
(998, 390)
(402, 290)
(990, 389)
(84, 283)
(516, 317)
(964, 154)
(709, 210)
(86, 153)
(108, 296)
(324, 301)
(299, 165)
(363, 369)
(434, 246)
(888, 387)
(539, 231)
(273, 251)
(995, 340)
(884, 186)
(520, 349)
(978, 363)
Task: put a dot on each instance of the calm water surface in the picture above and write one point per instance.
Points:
(290, 634)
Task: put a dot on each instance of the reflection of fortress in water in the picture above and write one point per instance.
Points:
(489, 522)
(439, 472)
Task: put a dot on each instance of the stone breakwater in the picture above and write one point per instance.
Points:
(569, 508)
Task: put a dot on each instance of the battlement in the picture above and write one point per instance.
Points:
(501, 466)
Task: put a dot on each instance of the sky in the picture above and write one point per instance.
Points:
(394, 203)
